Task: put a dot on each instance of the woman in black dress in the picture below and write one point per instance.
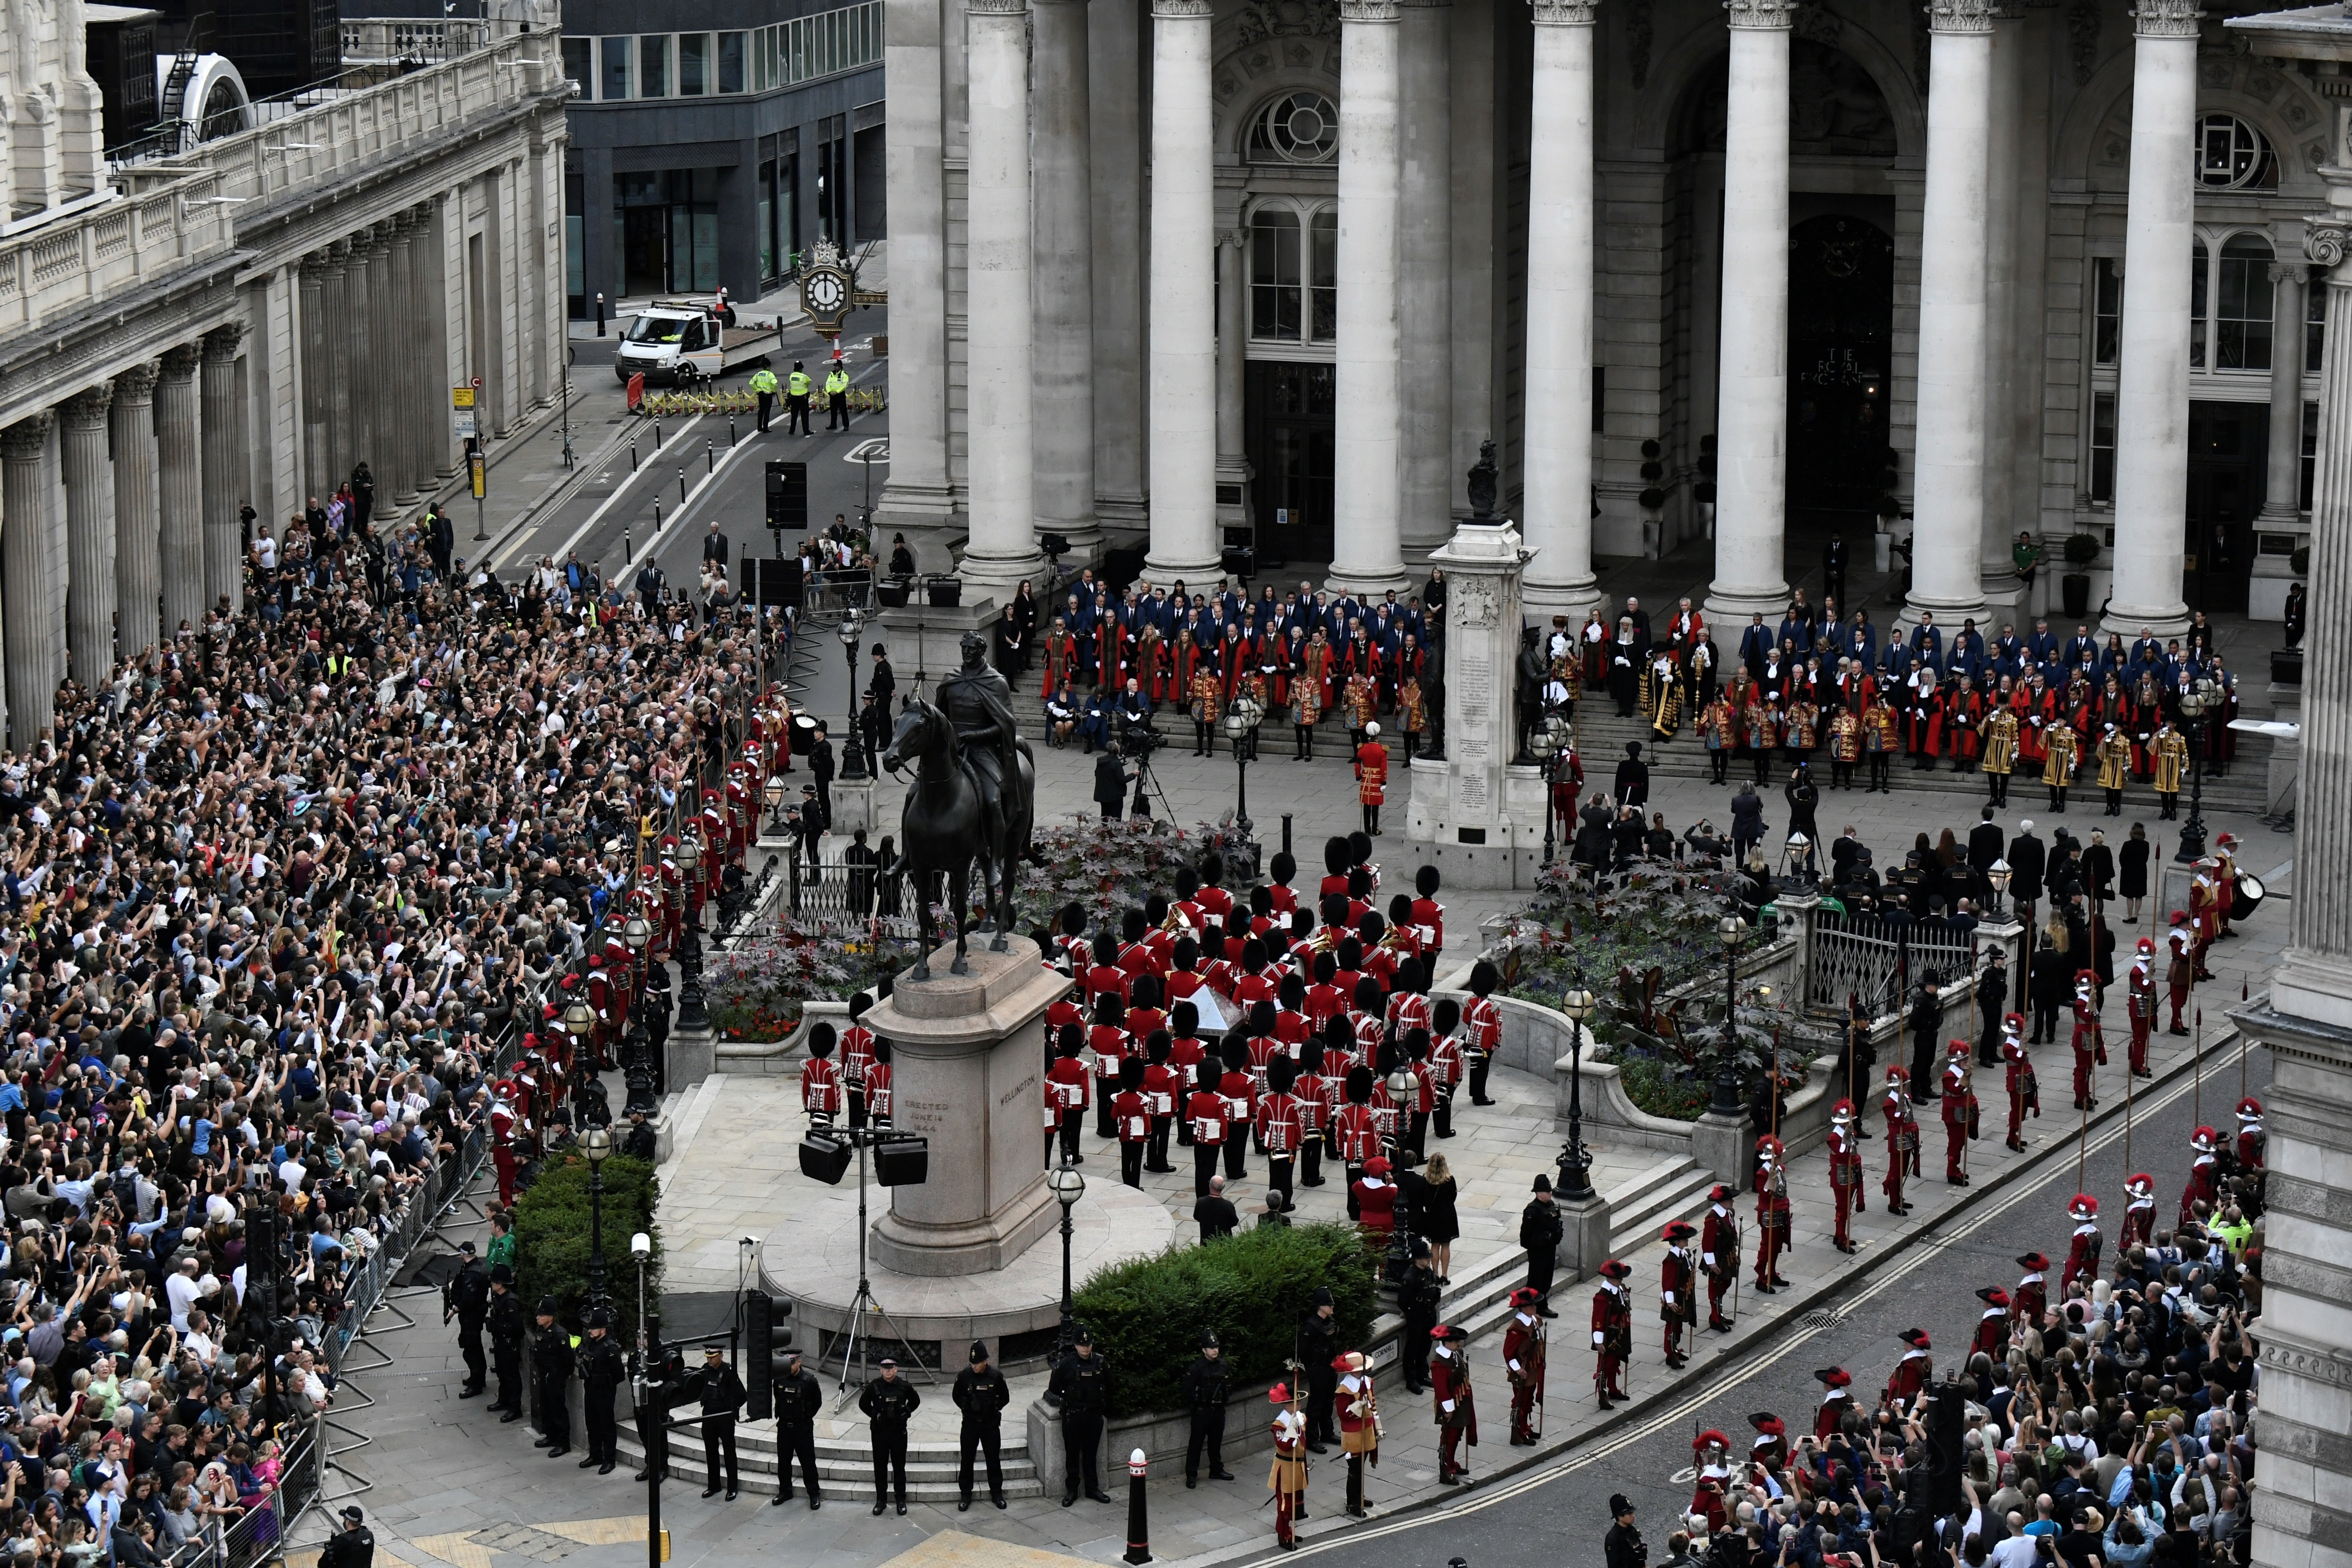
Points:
(1433, 1207)
(2131, 873)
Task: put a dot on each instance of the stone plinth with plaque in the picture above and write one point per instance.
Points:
(1477, 815)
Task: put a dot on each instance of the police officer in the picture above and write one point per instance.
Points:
(982, 1393)
(601, 1369)
(1205, 1396)
(763, 382)
(508, 1327)
(836, 397)
(350, 1547)
(467, 1299)
(796, 399)
(890, 1402)
(1417, 1300)
(551, 1366)
(1317, 1340)
(798, 1402)
(1081, 1387)
(721, 1395)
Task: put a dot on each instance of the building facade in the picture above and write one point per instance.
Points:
(1695, 269)
(714, 151)
(245, 323)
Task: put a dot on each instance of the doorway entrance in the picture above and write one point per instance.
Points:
(1288, 433)
(1841, 337)
(2226, 446)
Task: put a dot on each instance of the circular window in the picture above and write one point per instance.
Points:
(2230, 153)
(1296, 128)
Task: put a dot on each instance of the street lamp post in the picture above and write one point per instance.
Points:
(637, 933)
(1550, 737)
(2194, 704)
(1999, 876)
(775, 790)
(1068, 1184)
(852, 764)
(1575, 1162)
(1240, 725)
(1726, 1102)
(598, 1146)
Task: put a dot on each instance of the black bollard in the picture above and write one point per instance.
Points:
(1138, 1527)
(681, 487)
(633, 457)
(1285, 833)
(657, 434)
(710, 454)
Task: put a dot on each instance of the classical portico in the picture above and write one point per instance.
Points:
(1744, 272)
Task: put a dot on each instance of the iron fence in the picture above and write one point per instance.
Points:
(1878, 963)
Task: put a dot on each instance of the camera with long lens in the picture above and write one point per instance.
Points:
(1137, 738)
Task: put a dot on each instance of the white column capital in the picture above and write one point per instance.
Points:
(2289, 272)
(1961, 17)
(1181, 10)
(1566, 12)
(1424, 4)
(997, 8)
(88, 407)
(1377, 10)
(1763, 16)
(2327, 238)
(2165, 19)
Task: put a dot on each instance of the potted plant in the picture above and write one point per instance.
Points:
(2082, 552)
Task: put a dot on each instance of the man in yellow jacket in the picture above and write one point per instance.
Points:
(836, 396)
(796, 399)
(763, 382)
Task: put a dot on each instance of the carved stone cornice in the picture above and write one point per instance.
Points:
(2321, 1365)
(1181, 10)
(1961, 17)
(1566, 12)
(88, 407)
(1761, 16)
(997, 8)
(2165, 19)
(179, 361)
(1373, 11)
(25, 440)
(134, 387)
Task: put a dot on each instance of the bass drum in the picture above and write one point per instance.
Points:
(2249, 898)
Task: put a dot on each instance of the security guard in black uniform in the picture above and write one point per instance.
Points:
(467, 1299)
(1205, 1396)
(890, 1402)
(551, 1365)
(508, 1327)
(350, 1547)
(721, 1395)
(1417, 1300)
(602, 1368)
(1319, 1344)
(1081, 1388)
(799, 1401)
(982, 1393)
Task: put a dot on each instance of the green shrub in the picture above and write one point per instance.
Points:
(1254, 1288)
(1660, 1090)
(553, 1234)
(2082, 548)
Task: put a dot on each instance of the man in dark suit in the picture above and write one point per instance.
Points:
(1633, 778)
(714, 546)
(821, 768)
(1833, 569)
(2026, 859)
(1215, 1212)
(1110, 786)
(1756, 645)
(1986, 842)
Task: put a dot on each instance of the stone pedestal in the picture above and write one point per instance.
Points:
(1473, 816)
(693, 1052)
(1723, 1144)
(1586, 1245)
(971, 1060)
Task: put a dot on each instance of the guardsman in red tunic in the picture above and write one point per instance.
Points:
(2181, 967)
(1107, 1043)
(1845, 1171)
(1131, 1114)
(1835, 1402)
(1066, 1097)
(2200, 1187)
(821, 1079)
(1992, 1324)
(2083, 1250)
(1277, 1126)
(2251, 1137)
(1354, 1132)
(1484, 1021)
(2030, 1299)
(2090, 1047)
(1449, 1389)
(1902, 1137)
(1211, 1120)
(1613, 1333)
(1678, 1289)
(2140, 1214)
(1523, 1363)
(2140, 1004)
(1772, 1182)
(1913, 1372)
(1371, 776)
(878, 1073)
(1711, 1478)
(1718, 1253)
(1959, 1112)
(2017, 1077)
(857, 1056)
(1288, 1479)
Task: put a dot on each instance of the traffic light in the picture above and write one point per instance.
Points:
(767, 1345)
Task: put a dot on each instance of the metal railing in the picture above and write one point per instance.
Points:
(1877, 962)
(833, 893)
(259, 1533)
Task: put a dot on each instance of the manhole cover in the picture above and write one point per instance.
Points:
(1821, 1318)
(524, 1541)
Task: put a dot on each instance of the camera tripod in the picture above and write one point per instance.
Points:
(863, 1304)
(1147, 784)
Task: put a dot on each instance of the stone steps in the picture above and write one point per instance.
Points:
(845, 1465)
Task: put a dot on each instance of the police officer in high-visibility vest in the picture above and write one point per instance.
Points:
(796, 399)
(836, 396)
(763, 382)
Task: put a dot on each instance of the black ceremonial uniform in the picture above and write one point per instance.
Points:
(468, 1299)
(889, 1403)
(603, 1369)
(799, 1401)
(1205, 1396)
(1081, 1385)
(721, 1395)
(982, 1393)
(551, 1366)
(508, 1327)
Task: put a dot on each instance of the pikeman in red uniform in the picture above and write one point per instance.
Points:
(1835, 1402)
(1769, 1452)
(2090, 1045)
(1845, 1171)
(1457, 1416)
(1288, 1479)
(1771, 1211)
(1992, 1324)
(821, 1077)
(1613, 1333)
(2181, 967)
(1902, 1137)
(1959, 1108)
(2140, 1005)
(2251, 1137)
(2032, 1298)
(2082, 1251)
(2202, 1187)
(1718, 1254)
(1711, 1478)
(1678, 1289)
(2024, 1091)
(1523, 1363)
(2140, 1214)
(1913, 1372)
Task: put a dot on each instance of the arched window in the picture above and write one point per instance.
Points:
(2232, 155)
(2242, 304)
(1296, 128)
(1275, 303)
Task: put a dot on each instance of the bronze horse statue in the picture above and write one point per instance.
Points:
(946, 826)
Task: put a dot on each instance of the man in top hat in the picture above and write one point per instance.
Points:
(1902, 1137)
(1677, 1289)
(2083, 1248)
(2030, 1299)
(2090, 1044)
(1541, 1231)
(720, 1394)
(1357, 1404)
(889, 1402)
(1992, 1324)
(1718, 1253)
(1772, 1212)
(2251, 1137)
(1204, 1397)
(2203, 1184)
(2140, 1213)
(551, 1366)
(509, 1328)
(603, 1370)
(1846, 1174)
(2140, 1004)
(1913, 1373)
(1288, 1478)
(1613, 1331)
(1523, 1363)
(1457, 1416)
(982, 1394)
(1835, 1402)
(352, 1546)
(1081, 1386)
(2017, 1078)
(1959, 1112)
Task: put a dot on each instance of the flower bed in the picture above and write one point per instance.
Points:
(1104, 868)
(1662, 1088)
(756, 989)
(1652, 929)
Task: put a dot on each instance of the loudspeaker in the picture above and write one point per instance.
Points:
(823, 1157)
(902, 1163)
(788, 495)
(759, 1347)
(773, 584)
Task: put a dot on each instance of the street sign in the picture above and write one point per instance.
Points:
(477, 467)
(465, 420)
(462, 396)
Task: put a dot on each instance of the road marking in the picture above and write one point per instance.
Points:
(873, 450)
(506, 556)
(678, 519)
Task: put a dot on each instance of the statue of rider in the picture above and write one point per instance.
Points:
(978, 703)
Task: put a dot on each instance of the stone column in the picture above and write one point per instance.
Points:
(224, 458)
(138, 565)
(363, 280)
(318, 400)
(28, 616)
(1183, 415)
(2282, 470)
(918, 496)
(1425, 284)
(1003, 543)
(335, 338)
(2004, 162)
(1559, 461)
(89, 537)
(1232, 364)
(2152, 382)
(1367, 551)
(1752, 421)
(1470, 197)
(179, 491)
(1064, 410)
(1115, 83)
(1949, 508)
(396, 481)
